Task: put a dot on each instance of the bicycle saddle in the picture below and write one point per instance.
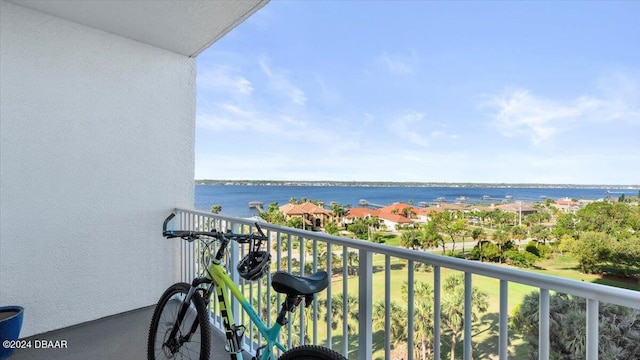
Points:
(290, 284)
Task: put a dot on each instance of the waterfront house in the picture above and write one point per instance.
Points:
(567, 205)
(360, 213)
(517, 208)
(314, 217)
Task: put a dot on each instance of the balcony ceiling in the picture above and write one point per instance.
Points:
(186, 27)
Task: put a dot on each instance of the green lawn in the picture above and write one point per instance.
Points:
(486, 337)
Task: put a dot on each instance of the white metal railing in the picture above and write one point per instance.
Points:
(593, 293)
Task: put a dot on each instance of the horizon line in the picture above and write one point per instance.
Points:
(634, 186)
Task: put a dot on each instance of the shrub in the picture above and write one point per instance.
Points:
(523, 259)
(490, 252)
(532, 249)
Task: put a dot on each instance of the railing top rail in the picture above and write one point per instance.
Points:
(602, 293)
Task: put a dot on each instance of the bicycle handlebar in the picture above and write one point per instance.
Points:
(193, 235)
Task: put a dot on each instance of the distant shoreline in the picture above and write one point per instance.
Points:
(410, 184)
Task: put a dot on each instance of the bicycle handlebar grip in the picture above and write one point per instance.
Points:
(164, 226)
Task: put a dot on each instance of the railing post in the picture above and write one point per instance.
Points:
(504, 320)
(436, 312)
(233, 264)
(543, 331)
(468, 290)
(365, 306)
(592, 329)
(410, 310)
(387, 307)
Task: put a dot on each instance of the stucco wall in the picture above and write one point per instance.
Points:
(97, 135)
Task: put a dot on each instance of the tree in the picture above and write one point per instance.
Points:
(501, 238)
(450, 225)
(478, 234)
(422, 316)
(618, 328)
(338, 211)
(422, 319)
(336, 315)
(332, 228)
(519, 233)
(398, 318)
(565, 225)
(360, 228)
(540, 233)
(273, 215)
(296, 222)
(453, 309)
(592, 250)
(617, 219)
(408, 212)
(353, 259)
(431, 237)
(411, 239)
(215, 209)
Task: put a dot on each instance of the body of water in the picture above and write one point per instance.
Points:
(235, 199)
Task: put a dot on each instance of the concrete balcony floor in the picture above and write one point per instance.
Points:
(118, 337)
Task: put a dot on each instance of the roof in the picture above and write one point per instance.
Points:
(513, 207)
(566, 202)
(304, 208)
(185, 27)
(395, 218)
(361, 212)
(399, 206)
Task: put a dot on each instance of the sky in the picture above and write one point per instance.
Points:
(487, 92)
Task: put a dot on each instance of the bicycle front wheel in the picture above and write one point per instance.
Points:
(311, 352)
(182, 346)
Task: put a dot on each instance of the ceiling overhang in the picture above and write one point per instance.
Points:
(186, 27)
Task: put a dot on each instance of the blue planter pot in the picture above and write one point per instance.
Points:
(10, 325)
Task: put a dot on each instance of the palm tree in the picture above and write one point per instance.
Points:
(398, 317)
(408, 212)
(618, 329)
(478, 234)
(422, 319)
(336, 315)
(519, 233)
(338, 211)
(500, 237)
(353, 259)
(453, 309)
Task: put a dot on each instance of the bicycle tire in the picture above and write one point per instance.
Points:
(311, 352)
(165, 316)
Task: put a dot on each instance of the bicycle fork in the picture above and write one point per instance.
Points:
(174, 342)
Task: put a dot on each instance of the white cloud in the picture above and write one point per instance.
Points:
(414, 127)
(229, 117)
(398, 64)
(279, 82)
(519, 113)
(224, 78)
(408, 126)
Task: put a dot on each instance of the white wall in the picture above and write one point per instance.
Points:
(97, 142)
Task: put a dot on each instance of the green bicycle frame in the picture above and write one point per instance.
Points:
(223, 282)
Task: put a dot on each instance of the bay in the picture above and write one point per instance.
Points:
(235, 199)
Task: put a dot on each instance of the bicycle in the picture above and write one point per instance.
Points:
(180, 325)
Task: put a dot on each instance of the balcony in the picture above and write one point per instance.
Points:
(356, 337)
(124, 335)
